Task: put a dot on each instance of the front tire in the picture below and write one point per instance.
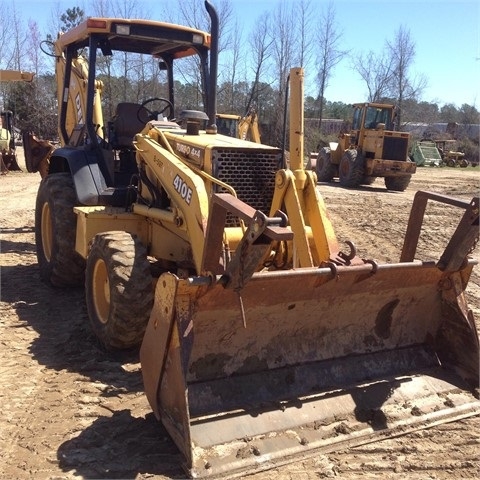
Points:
(119, 289)
(325, 169)
(350, 172)
(55, 232)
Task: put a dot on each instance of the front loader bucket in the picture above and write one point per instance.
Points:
(307, 360)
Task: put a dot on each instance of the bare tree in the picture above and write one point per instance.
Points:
(6, 35)
(260, 43)
(194, 14)
(304, 21)
(403, 86)
(329, 52)
(282, 31)
(35, 107)
(18, 40)
(101, 8)
(233, 65)
(376, 70)
(13, 40)
(36, 61)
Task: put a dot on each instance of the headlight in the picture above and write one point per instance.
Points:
(197, 38)
(123, 29)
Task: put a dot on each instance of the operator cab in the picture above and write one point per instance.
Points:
(107, 147)
(378, 117)
(372, 116)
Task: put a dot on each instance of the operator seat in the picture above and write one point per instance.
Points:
(129, 119)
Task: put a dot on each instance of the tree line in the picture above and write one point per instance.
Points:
(254, 66)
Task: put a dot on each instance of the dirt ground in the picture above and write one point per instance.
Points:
(71, 411)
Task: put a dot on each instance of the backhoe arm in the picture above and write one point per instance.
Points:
(15, 76)
(296, 190)
(249, 123)
(72, 86)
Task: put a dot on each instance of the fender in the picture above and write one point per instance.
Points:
(88, 176)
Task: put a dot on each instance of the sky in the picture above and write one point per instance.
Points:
(446, 34)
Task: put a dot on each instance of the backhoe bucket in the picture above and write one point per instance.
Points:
(307, 360)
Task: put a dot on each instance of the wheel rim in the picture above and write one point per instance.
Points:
(101, 291)
(47, 231)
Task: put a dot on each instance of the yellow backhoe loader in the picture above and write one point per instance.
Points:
(245, 127)
(8, 155)
(262, 341)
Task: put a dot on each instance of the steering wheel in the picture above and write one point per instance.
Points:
(153, 114)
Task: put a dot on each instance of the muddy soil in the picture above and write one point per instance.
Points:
(69, 410)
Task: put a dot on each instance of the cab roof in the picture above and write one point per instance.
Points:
(137, 36)
(374, 105)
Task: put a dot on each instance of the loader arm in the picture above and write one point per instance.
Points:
(185, 188)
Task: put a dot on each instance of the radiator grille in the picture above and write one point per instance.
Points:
(395, 148)
(250, 172)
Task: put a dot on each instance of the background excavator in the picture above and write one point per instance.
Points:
(262, 341)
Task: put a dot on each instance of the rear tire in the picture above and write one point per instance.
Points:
(55, 232)
(325, 169)
(351, 168)
(118, 288)
(397, 184)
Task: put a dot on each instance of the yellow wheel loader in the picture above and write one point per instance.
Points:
(262, 342)
(371, 149)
